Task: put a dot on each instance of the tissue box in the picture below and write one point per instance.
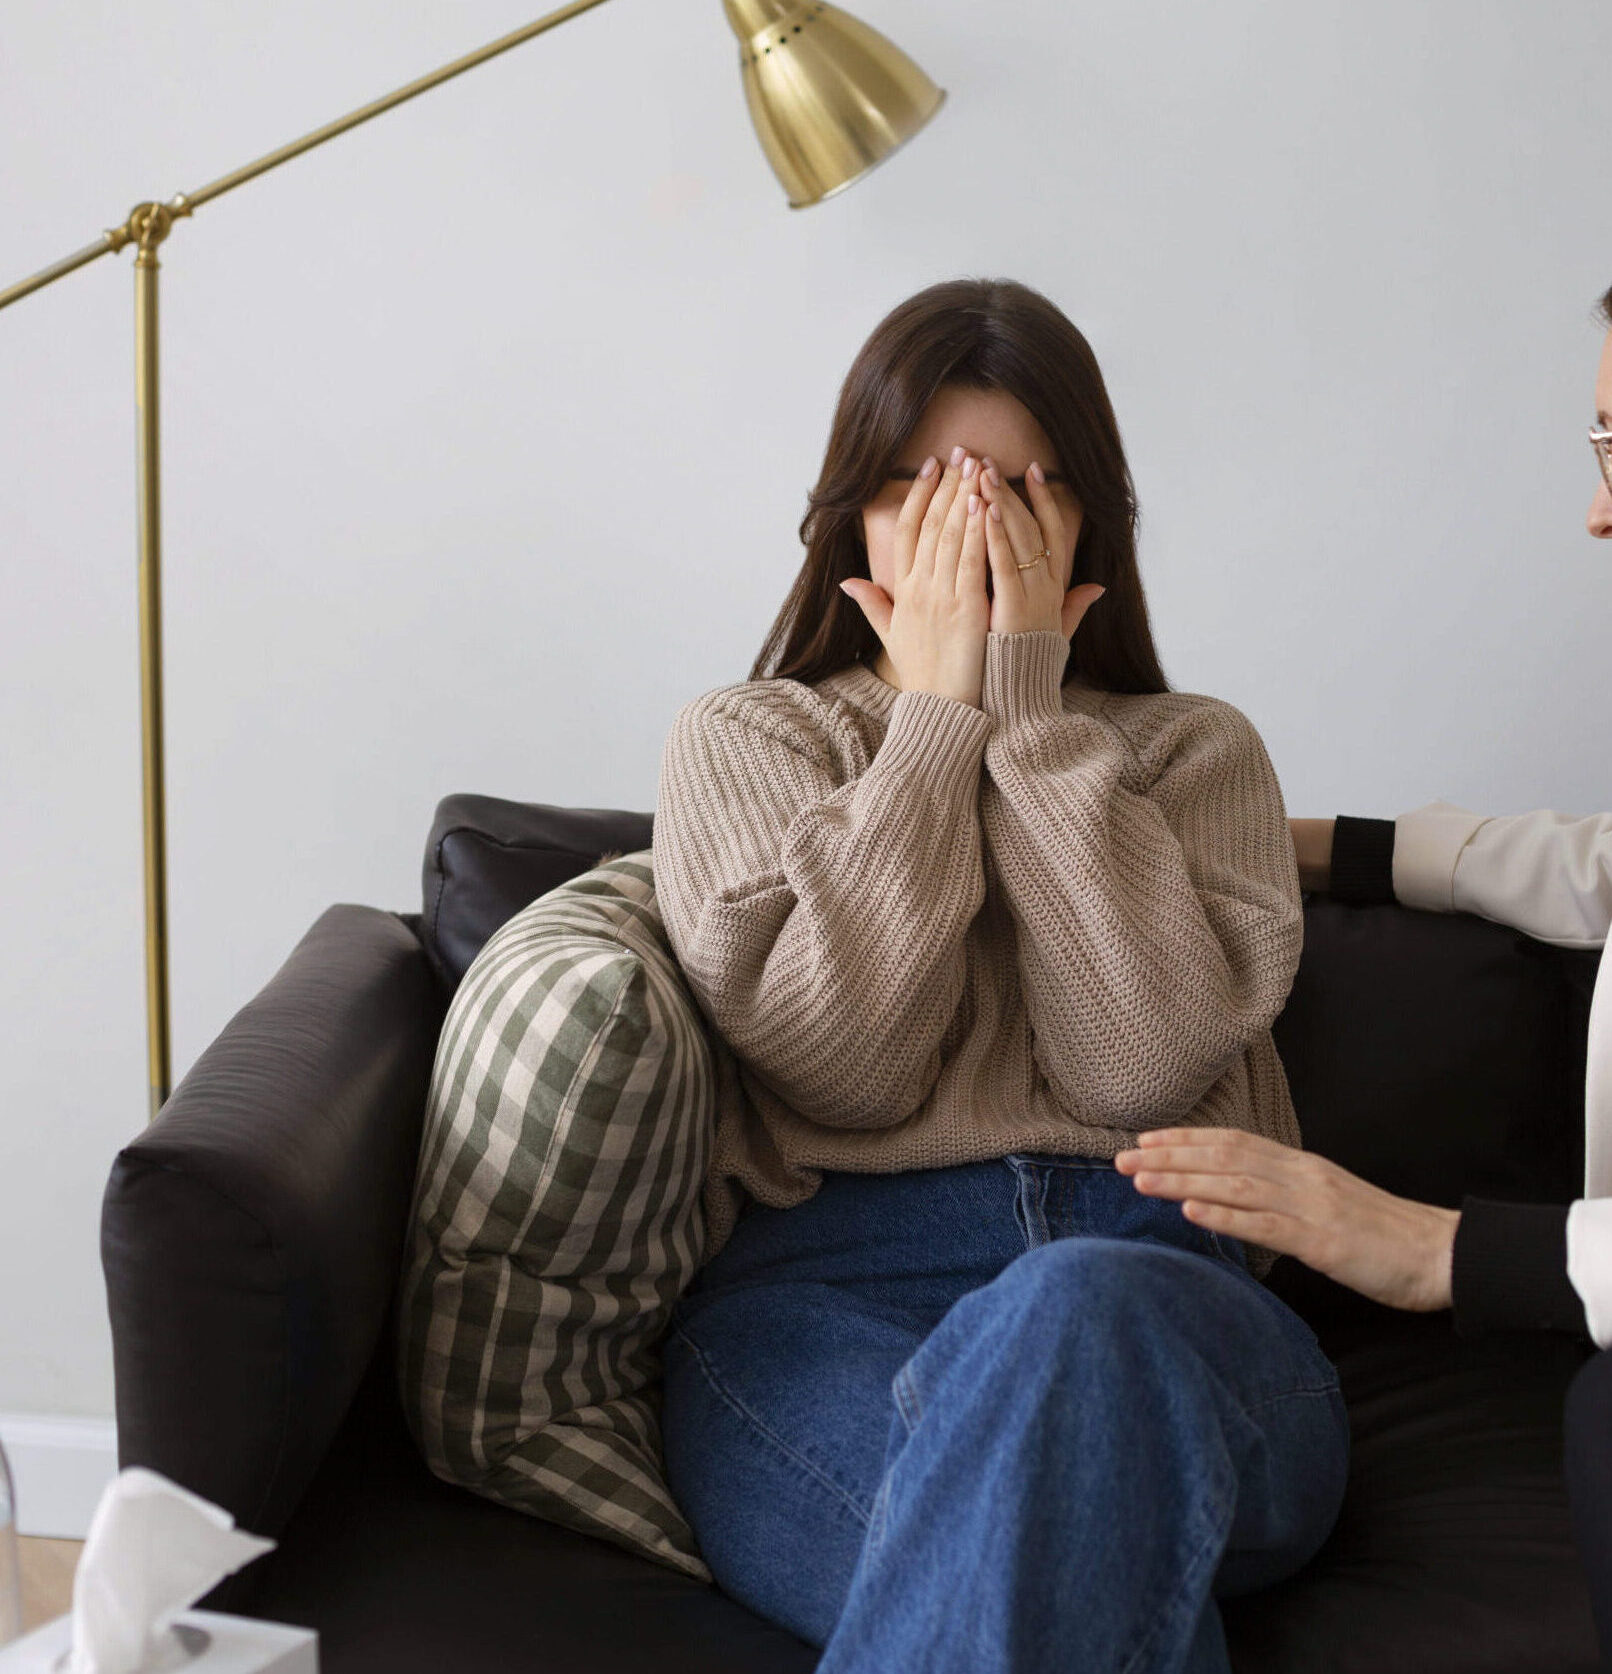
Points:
(236, 1645)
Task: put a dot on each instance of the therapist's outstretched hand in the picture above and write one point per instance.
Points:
(1386, 1247)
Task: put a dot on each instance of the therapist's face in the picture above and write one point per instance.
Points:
(1599, 521)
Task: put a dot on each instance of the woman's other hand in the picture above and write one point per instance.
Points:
(1312, 844)
(1037, 598)
(1388, 1248)
(933, 627)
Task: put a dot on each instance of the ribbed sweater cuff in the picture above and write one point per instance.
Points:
(1024, 675)
(1509, 1270)
(1362, 860)
(936, 739)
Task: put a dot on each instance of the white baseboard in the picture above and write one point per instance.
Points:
(59, 1467)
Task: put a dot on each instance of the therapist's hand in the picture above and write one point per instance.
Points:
(1386, 1247)
(1312, 847)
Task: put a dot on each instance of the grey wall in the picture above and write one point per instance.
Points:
(487, 429)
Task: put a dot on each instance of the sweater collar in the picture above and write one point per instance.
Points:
(858, 684)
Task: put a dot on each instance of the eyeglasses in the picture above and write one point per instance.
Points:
(1601, 441)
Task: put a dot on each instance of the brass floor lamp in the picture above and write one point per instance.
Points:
(830, 99)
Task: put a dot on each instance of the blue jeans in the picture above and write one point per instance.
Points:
(1010, 1417)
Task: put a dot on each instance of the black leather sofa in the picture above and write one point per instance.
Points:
(251, 1236)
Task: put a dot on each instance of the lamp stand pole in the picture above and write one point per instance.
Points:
(155, 220)
(146, 388)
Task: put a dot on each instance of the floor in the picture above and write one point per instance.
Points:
(47, 1578)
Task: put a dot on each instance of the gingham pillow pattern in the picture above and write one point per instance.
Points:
(557, 1216)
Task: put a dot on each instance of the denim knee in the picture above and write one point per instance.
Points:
(1086, 1308)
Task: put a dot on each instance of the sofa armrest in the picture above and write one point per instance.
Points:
(251, 1235)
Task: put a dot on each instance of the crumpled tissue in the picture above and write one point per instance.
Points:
(152, 1548)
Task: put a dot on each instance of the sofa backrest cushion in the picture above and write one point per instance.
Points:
(1438, 1054)
(486, 858)
(556, 1214)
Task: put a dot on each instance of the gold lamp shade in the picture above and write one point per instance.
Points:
(830, 97)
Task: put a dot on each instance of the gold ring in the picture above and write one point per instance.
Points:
(1043, 553)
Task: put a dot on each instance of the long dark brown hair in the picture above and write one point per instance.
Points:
(986, 334)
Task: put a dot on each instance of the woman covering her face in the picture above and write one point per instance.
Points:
(975, 899)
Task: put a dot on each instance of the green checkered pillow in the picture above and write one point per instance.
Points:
(557, 1215)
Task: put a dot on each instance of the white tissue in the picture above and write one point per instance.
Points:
(152, 1548)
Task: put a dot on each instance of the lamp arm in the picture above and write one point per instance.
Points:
(183, 203)
(57, 270)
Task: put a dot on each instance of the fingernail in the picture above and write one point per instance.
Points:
(958, 454)
(973, 505)
(996, 513)
(1036, 473)
(927, 469)
(970, 466)
(992, 477)
(845, 589)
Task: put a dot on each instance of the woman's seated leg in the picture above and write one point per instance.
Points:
(776, 1417)
(778, 1365)
(1085, 1451)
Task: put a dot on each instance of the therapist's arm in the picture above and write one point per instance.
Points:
(1500, 1266)
(1513, 1266)
(1544, 873)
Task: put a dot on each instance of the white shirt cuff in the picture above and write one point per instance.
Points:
(1427, 843)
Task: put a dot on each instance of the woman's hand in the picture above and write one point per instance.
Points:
(933, 623)
(1385, 1247)
(1034, 598)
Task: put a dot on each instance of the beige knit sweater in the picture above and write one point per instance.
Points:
(934, 934)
